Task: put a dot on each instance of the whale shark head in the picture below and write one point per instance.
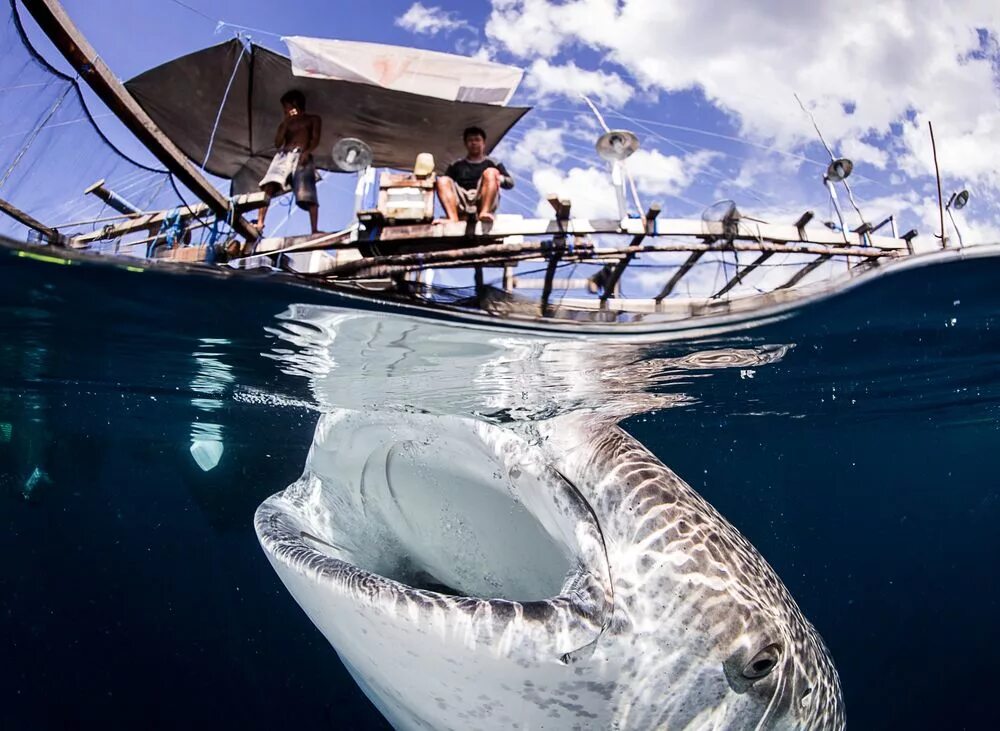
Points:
(480, 576)
(706, 625)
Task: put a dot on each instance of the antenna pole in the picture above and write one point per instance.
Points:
(597, 114)
(836, 207)
(937, 174)
(961, 244)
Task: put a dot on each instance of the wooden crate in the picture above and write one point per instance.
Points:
(403, 197)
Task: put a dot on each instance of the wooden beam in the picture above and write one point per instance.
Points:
(805, 271)
(665, 228)
(742, 273)
(611, 285)
(479, 281)
(678, 275)
(468, 256)
(111, 198)
(801, 224)
(56, 24)
(550, 273)
(508, 278)
(244, 202)
(526, 283)
(561, 206)
(23, 218)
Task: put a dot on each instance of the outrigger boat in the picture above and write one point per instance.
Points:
(383, 106)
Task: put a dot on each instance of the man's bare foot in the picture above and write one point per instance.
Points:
(440, 221)
(486, 217)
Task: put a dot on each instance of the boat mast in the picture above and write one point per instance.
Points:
(55, 23)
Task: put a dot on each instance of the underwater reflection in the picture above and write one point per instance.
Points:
(211, 379)
(25, 442)
(367, 361)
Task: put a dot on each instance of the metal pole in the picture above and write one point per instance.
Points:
(961, 244)
(937, 173)
(836, 207)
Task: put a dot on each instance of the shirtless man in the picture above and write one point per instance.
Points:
(471, 186)
(292, 168)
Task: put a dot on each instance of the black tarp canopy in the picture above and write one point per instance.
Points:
(183, 97)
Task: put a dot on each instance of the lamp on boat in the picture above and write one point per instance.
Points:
(839, 169)
(615, 146)
(355, 156)
(352, 155)
(958, 201)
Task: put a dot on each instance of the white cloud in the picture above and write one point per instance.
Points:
(659, 174)
(430, 20)
(588, 189)
(571, 81)
(539, 146)
(592, 194)
(871, 73)
(862, 152)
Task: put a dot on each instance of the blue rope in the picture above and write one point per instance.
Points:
(172, 229)
(225, 97)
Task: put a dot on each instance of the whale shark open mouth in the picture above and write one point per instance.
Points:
(413, 541)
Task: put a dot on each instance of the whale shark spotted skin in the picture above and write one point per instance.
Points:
(554, 575)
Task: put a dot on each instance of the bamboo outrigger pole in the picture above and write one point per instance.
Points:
(24, 219)
(55, 23)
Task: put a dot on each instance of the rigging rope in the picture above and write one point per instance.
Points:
(225, 97)
(220, 24)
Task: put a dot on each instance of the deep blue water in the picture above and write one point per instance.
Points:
(133, 592)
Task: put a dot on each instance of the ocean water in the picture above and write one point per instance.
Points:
(144, 416)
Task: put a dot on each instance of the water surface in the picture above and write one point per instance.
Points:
(855, 443)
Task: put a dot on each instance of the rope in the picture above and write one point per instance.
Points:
(225, 97)
(172, 229)
(220, 24)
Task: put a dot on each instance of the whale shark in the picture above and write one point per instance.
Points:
(551, 574)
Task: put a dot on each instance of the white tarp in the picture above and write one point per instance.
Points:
(430, 73)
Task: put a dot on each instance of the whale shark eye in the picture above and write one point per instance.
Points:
(762, 663)
(804, 700)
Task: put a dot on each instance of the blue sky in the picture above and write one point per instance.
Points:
(707, 86)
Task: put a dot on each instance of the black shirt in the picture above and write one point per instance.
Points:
(467, 174)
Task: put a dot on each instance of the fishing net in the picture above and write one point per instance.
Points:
(52, 150)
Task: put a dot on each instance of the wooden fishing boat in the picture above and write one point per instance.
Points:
(515, 265)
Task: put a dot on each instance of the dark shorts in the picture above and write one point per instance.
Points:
(468, 198)
(304, 184)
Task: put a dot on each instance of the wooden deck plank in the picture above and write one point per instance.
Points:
(704, 230)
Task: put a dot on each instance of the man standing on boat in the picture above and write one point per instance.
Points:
(292, 168)
(471, 186)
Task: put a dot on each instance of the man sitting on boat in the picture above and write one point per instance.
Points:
(292, 168)
(471, 186)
